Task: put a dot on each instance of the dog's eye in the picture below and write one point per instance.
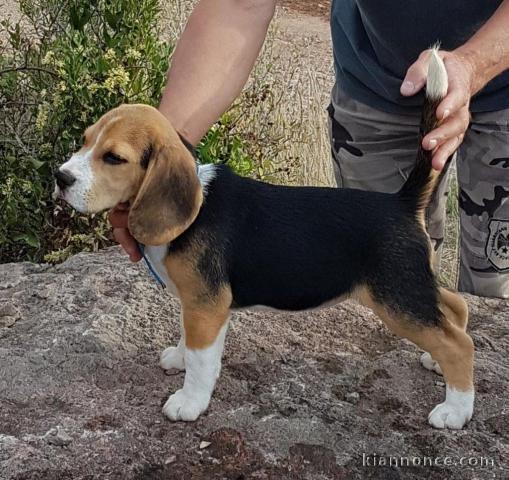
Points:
(113, 159)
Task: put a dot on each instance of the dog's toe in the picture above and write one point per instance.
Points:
(181, 406)
(429, 364)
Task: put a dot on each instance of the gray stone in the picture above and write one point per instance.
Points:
(9, 314)
(85, 358)
(58, 436)
(352, 397)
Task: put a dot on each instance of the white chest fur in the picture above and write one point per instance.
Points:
(156, 256)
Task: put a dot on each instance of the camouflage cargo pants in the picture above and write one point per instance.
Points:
(374, 150)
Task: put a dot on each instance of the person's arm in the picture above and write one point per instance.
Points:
(212, 62)
(470, 67)
(209, 68)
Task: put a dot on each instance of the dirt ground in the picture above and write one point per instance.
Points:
(301, 396)
(309, 7)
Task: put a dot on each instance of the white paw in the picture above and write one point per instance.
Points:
(182, 406)
(455, 412)
(445, 415)
(429, 364)
(172, 357)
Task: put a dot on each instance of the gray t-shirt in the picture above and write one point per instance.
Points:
(375, 41)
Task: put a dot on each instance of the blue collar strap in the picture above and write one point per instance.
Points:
(151, 269)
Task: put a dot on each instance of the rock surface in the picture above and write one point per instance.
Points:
(301, 396)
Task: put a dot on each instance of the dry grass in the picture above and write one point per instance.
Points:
(281, 110)
(290, 125)
(174, 17)
(450, 255)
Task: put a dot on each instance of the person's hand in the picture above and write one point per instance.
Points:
(118, 219)
(453, 111)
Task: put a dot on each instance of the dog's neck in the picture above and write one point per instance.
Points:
(206, 173)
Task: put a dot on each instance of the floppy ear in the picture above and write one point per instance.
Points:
(169, 198)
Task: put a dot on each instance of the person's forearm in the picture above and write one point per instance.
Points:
(212, 62)
(488, 50)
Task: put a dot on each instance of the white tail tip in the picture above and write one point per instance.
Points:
(436, 81)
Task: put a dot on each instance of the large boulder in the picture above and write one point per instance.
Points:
(312, 395)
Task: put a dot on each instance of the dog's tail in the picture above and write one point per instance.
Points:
(420, 184)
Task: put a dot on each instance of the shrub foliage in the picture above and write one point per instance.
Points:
(63, 66)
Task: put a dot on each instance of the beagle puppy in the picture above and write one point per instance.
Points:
(221, 242)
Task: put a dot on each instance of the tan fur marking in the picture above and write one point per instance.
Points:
(425, 198)
(204, 312)
(426, 195)
(166, 197)
(448, 344)
(454, 307)
(169, 197)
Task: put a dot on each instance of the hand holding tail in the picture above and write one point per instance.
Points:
(453, 110)
(419, 186)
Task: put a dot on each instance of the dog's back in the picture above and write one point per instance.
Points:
(295, 248)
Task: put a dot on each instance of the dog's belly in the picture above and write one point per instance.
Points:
(156, 256)
(267, 308)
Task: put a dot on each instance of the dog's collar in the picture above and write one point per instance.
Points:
(151, 269)
(141, 247)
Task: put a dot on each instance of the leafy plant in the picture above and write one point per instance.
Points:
(222, 144)
(63, 66)
(69, 63)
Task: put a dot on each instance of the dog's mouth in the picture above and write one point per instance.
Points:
(62, 197)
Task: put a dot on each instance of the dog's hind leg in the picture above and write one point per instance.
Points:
(448, 344)
(457, 311)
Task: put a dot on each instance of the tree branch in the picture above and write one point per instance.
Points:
(27, 68)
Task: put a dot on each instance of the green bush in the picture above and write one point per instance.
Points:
(60, 70)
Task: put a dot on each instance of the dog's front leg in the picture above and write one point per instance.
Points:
(204, 336)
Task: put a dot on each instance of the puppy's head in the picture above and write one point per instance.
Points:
(133, 154)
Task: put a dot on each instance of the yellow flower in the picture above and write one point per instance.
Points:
(117, 77)
(45, 148)
(62, 86)
(48, 58)
(109, 84)
(93, 87)
(57, 100)
(42, 116)
(110, 54)
(133, 54)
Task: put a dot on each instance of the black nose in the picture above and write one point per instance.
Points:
(64, 179)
